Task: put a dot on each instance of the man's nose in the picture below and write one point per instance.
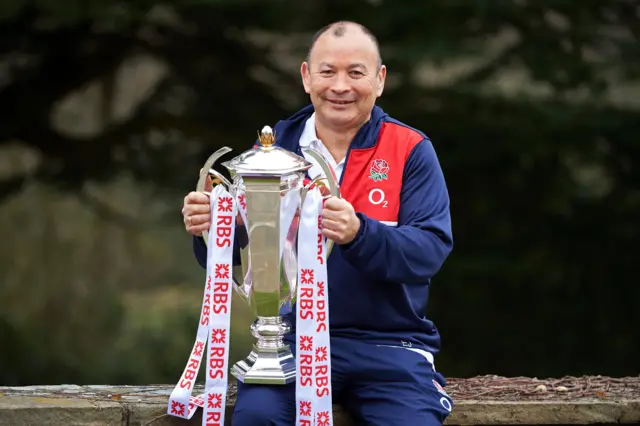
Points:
(341, 84)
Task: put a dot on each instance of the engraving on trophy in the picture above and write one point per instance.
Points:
(271, 181)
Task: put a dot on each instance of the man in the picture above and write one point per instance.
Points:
(392, 232)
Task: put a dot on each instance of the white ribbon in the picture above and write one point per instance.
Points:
(220, 266)
(313, 360)
(215, 318)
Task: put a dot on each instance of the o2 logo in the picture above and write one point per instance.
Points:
(377, 197)
(446, 404)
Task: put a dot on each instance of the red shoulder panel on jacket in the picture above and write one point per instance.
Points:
(373, 176)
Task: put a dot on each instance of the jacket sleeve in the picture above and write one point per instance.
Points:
(200, 251)
(416, 249)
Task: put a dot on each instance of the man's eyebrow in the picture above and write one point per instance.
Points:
(351, 66)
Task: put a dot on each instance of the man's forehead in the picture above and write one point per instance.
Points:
(353, 42)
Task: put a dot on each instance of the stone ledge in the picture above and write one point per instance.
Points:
(487, 400)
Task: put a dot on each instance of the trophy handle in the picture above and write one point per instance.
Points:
(331, 183)
(206, 172)
(208, 177)
(328, 172)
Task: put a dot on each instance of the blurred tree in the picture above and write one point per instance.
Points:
(521, 100)
(233, 61)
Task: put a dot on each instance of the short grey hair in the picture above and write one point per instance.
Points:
(339, 29)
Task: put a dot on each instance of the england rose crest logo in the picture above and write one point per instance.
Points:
(379, 169)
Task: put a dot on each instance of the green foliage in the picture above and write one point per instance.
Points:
(89, 302)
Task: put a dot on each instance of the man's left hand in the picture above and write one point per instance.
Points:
(339, 221)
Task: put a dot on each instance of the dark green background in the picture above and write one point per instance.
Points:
(533, 110)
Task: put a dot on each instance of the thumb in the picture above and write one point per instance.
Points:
(333, 203)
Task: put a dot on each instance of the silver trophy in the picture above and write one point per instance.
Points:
(272, 180)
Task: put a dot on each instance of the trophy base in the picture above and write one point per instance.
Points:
(266, 366)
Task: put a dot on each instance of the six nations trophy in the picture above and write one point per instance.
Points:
(265, 242)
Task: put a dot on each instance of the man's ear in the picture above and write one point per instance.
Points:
(382, 76)
(306, 76)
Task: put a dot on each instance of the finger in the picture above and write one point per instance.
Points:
(334, 203)
(197, 219)
(194, 209)
(333, 225)
(195, 233)
(332, 235)
(196, 198)
(331, 214)
(198, 229)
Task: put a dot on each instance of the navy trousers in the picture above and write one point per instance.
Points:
(377, 385)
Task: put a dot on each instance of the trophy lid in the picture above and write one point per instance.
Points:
(267, 159)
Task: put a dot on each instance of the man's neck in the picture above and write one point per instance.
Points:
(337, 141)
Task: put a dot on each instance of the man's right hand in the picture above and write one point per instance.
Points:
(196, 213)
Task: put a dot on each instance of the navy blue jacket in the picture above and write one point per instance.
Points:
(379, 283)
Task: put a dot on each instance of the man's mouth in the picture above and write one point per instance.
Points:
(339, 102)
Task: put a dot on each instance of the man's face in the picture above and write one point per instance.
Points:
(343, 79)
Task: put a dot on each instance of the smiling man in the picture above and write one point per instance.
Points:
(392, 231)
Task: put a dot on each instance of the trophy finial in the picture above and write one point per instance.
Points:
(267, 137)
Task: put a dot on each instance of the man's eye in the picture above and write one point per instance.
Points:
(326, 72)
(356, 73)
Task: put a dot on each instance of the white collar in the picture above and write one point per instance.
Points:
(309, 134)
